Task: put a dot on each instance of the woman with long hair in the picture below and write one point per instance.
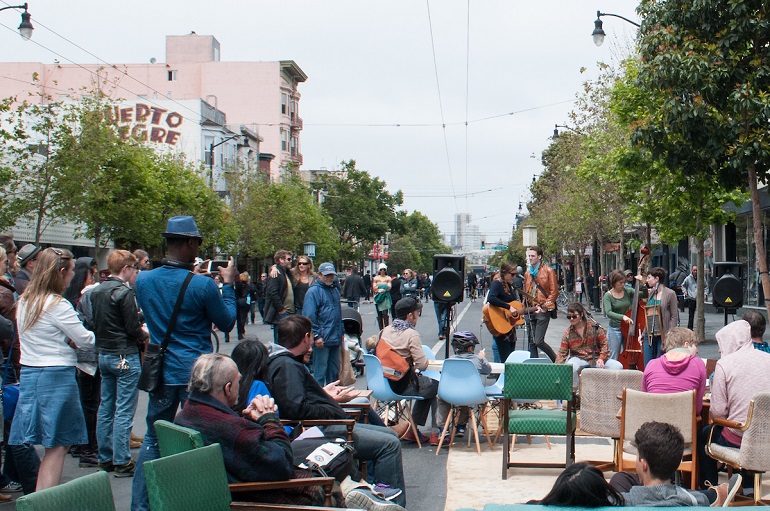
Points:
(84, 276)
(381, 285)
(251, 359)
(581, 485)
(501, 293)
(617, 301)
(49, 412)
(302, 277)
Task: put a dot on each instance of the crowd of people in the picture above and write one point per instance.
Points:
(74, 341)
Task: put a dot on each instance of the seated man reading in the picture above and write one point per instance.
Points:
(300, 397)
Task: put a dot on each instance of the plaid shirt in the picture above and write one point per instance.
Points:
(573, 345)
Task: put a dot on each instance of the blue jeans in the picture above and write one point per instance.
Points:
(614, 341)
(442, 310)
(163, 404)
(275, 330)
(654, 351)
(326, 364)
(382, 447)
(116, 411)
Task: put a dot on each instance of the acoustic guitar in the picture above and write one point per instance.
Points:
(500, 321)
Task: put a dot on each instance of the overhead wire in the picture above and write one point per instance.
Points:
(467, 90)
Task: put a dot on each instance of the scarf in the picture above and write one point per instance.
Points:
(401, 325)
(533, 270)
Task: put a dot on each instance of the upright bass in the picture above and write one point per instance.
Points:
(633, 354)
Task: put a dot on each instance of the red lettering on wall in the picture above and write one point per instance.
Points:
(126, 114)
(142, 111)
(157, 135)
(172, 137)
(156, 114)
(139, 132)
(174, 120)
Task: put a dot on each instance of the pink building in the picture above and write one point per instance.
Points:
(260, 97)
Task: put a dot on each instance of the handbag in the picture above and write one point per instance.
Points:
(152, 367)
(331, 457)
(10, 391)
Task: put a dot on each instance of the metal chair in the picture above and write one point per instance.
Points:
(599, 392)
(175, 439)
(754, 452)
(461, 385)
(381, 392)
(677, 409)
(538, 381)
(91, 492)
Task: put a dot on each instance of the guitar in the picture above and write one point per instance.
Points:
(500, 321)
(545, 305)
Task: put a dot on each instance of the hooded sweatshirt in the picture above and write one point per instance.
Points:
(740, 374)
(663, 376)
(663, 495)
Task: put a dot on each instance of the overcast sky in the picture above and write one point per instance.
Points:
(370, 67)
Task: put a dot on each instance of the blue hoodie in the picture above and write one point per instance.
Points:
(322, 307)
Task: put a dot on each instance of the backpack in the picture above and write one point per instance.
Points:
(394, 366)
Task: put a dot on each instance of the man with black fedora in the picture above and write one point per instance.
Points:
(157, 292)
(27, 258)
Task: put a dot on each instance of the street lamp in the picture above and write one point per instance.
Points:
(529, 235)
(309, 249)
(26, 28)
(556, 130)
(211, 155)
(598, 33)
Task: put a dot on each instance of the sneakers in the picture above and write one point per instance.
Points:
(11, 487)
(384, 491)
(126, 470)
(409, 436)
(366, 499)
(106, 466)
(434, 439)
(460, 432)
(136, 441)
(726, 491)
(88, 460)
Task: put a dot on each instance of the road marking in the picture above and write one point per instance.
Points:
(435, 349)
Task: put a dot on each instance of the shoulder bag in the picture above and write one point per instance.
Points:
(152, 367)
(10, 391)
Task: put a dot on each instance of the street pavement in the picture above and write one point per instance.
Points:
(425, 473)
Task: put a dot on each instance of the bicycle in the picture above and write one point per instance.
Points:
(565, 297)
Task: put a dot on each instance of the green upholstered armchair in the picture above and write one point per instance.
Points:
(538, 381)
(87, 493)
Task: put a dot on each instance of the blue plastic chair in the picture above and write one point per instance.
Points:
(381, 392)
(461, 385)
(430, 373)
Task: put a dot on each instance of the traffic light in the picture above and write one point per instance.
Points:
(483, 245)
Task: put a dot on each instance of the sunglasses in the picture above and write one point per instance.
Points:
(573, 316)
(303, 264)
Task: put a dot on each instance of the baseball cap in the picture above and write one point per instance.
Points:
(326, 269)
(27, 253)
(627, 273)
(406, 305)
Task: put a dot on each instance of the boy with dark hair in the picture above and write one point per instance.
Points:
(758, 325)
(660, 447)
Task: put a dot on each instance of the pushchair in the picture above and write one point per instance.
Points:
(351, 322)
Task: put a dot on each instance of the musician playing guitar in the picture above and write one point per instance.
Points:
(662, 313)
(541, 284)
(501, 293)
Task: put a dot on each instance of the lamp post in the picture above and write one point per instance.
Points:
(25, 28)
(211, 155)
(598, 33)
(309, 249)
(556, 130)
(529, 237)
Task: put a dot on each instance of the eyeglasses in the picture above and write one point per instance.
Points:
(302, 263)
(573, 316)
(59, 252)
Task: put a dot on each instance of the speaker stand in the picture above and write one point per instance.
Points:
(448, 328)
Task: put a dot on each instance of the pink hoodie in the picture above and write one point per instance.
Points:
(662, 376)
(740, 374)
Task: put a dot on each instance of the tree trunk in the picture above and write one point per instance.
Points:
(759, 240)
(621, 264)
(700, 317)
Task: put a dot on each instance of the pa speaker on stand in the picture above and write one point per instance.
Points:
(447, 287)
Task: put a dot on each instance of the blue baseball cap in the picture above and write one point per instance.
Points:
(327, 269)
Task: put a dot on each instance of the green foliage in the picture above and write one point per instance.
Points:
(416, 247)
(360, 208)
(279, 216)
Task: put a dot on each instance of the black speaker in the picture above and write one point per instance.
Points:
(448, 278)
(728, 289)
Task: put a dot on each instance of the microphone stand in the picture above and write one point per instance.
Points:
(596, 335)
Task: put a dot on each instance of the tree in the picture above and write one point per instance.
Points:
(701, 104)
(275, 216)
(361, 209)
(422, 240)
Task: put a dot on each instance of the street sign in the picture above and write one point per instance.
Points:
(500, 247)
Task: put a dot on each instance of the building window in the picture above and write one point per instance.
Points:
(172, 75)
(292, 109)
(284, 104)
(284, 140)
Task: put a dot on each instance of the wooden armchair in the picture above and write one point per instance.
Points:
(174, 439)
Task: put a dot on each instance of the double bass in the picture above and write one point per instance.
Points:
(633, 354)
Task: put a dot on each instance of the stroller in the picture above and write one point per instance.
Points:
(351, 322)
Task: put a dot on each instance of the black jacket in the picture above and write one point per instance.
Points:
(275, 292)
(297, 394)
(116, 318)
(354, 287)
